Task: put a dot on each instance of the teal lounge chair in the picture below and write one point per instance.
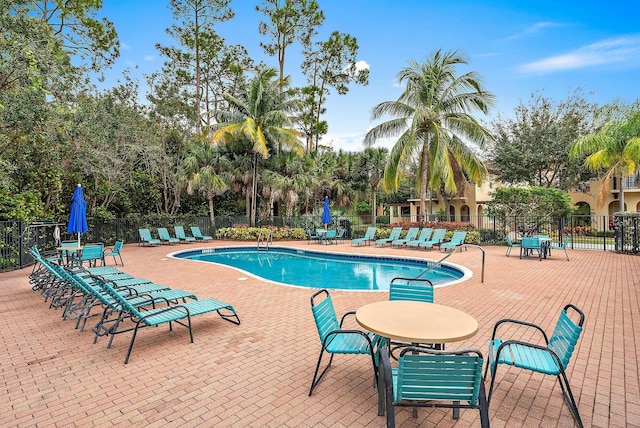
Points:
(179, 230)
(395, 234)
(411, 235)
(195, 231)
(436, 239)
(370, 235)
(146, 238)
(173, 314)
(456, 240)
(164, 236)
(425, 235)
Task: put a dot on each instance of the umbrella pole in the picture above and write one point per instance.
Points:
(78, 239)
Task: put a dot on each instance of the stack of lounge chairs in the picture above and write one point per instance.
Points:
(165, 238)
(119, 302)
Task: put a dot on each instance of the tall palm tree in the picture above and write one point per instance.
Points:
(259, 115)
(615, 147)
(205, 170)
(433, 119)
(373, 161)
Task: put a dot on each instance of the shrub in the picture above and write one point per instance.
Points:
(245, 233)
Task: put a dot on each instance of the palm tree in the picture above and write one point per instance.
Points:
(615, 147)
(204, 168)
(433, 118)
(373, 161)
(260, 115)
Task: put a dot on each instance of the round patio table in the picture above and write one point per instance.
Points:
(416, 322)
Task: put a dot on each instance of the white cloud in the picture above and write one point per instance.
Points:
(124, 46)
(362, 65)
(609, 51)
(149, 58)
(535, 29)
(352, 142)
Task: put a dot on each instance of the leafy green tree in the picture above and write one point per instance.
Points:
(196, 20)
(76, 26)
(330, 64)
(261, 117)
(533, 146)
(433, 116)
(614, 147)
(288, 21)
(528, 202)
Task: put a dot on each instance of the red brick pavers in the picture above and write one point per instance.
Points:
(258, 374)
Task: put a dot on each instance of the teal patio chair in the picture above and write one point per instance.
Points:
(179, 314)
(164, 236)
(336, 340)
(550, 358)
(431, 378)
(425, 235)
(564, 245)
(146, 238)
(457, 239)
(340, 235)
(411, 235)
(329, 237)
(436, 239)
(414, 289)
(91, 254)
(529, 245)
(312, 236)
(195, 231)
(369, 235)
(115, 251)
(179, 231)
(510, 244)
(395, 234)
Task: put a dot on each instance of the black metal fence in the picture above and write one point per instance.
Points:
(605, 233)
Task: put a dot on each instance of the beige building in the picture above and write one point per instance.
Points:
(471, 206)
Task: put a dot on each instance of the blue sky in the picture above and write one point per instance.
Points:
(518, 47)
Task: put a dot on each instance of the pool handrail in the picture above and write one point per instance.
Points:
(439, 262)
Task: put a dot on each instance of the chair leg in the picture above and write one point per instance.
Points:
(484, 407)
(568, 396)
(316, 378)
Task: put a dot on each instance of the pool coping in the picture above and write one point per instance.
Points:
(466, 273)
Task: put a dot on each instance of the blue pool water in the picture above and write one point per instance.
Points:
(322, 270)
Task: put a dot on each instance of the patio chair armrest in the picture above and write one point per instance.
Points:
(345, 316)
(506, 343)
(151, 300)
(337, 332)
(522, 323)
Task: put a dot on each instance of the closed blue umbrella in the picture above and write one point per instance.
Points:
(78, 217)
(326, 214)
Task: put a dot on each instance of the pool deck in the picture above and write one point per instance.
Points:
(258, 374)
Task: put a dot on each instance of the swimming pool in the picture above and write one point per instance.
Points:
(315, 269)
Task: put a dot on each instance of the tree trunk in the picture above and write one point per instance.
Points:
(211, 215)
(373, 207)
(424, 181)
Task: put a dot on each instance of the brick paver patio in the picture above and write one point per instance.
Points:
(258, 374)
